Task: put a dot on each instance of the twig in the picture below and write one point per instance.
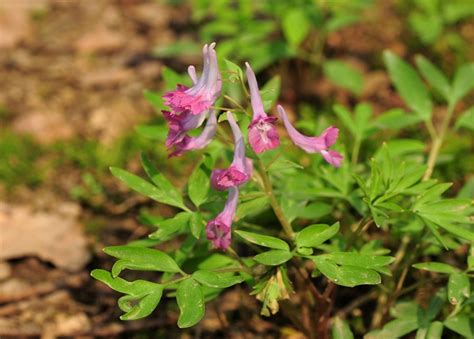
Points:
(359, 301)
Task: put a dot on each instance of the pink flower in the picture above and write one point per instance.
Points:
(205, 91)
(180, 124)
(319, 144)
(187, 143)
(241, 168)
(219, 229)
(263, 135)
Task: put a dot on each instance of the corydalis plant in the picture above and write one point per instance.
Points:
(187, 111)
(307, 232)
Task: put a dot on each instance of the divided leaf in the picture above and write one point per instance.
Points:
(273, 257)
(434, 76)
(315, 235)
(140, 258)
(409, 85)
(198, 186)
(190, 302)
(264, 240)
(436, 267)
(141, 297)
(217, 280)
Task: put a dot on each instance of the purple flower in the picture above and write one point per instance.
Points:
(219, 229)
(205, 91)
(187, 143)
(180, 124)
(241, 168)
(319, 144)
(263, 135)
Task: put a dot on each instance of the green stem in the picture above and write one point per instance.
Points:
(355, 151)
(438, 141)
(232, 100)
(273, 201)
(244, 267)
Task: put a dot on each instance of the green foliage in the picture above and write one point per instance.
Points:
(343, 75)
(375, 220)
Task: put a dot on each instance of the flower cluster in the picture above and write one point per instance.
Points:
(189, 107)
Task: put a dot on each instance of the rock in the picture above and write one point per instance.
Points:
(53, 236)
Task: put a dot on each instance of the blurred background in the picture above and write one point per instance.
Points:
(72, 81)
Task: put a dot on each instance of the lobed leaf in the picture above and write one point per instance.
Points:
(459, 288)
(216, 280)
(436, 267)
(409, 85)
(264, 240)
(198, 186)
(141, 258)
(273, 257)
(190, 302)
(315, 235)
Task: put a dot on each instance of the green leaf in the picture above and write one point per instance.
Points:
(153, 132)
(395, 329)
(173, 196)
(463, 82)
(466, 119)
(341, 329)
(142, 296)
(273, 257)
(396, 118)
(172, 78)
(234, 68)
(198, 186)
(190, 302)
(171, 227)
(138, 307)
(355, 259)
(348, 275)
(140, 258)
(295, 25)
(436, 267)
(346, 118)
(435, 330)
(177, 48)
(461, 324)
(315, 235)
(459, 288)
(362, 116)
(251, 207)
(264, 240)
(155, 100)
(405, 309)
(446, 221)
(140, 185)
(434, 76)
(196, 224)
(343, 75)
(409, 85)
(217, 280)
(432, 194)
(340, 20)
(270, 92)
(118, 284)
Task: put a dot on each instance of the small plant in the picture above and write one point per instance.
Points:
(305, 221)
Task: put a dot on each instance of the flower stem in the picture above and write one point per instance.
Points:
(438, 139)
(273, 201)
(232, 100)
(355, 151)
